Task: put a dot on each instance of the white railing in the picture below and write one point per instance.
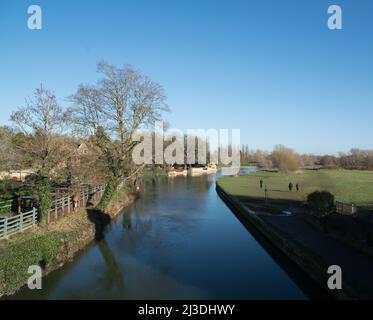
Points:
(345, 208)
(18, 223)
(60, 206)
(64, 204)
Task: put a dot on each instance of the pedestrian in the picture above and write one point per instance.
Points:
(75, 200)
(261, 183)
(297, 186)
(19, 203)
(290, 186)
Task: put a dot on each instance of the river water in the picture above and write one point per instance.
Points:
(178, 241)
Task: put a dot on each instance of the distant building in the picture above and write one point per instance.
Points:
(82, 149)
(19, 175)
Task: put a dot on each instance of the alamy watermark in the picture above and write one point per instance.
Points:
(194, 147)
(34, 282)
(335, 280)
(35, 19)
(335, 20)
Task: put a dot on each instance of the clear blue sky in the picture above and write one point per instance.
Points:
(270, 68)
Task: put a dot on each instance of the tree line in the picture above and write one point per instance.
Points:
(286, 159)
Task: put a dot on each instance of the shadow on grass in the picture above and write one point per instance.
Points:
(278, 190)
(352, 230)
(274, 206)
(356, 229)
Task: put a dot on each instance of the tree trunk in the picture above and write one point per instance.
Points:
(43, 189)
(110, 190)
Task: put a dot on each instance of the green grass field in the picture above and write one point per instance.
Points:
(347, 186)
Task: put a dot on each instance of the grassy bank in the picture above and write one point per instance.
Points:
(50, 248)
(350, 186)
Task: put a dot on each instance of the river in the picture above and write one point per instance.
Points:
(178, 241)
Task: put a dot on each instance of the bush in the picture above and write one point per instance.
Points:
(321, 203)
(9, 186)
(285, 159)
(15, 260)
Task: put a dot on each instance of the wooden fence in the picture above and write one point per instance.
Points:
(60, 206)
(20, 222)
(64, 205)
(345, 209)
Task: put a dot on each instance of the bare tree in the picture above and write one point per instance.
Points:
(41, 123)
(308, 160)
(262, 159)
(285, 159)
(8, 154)
(122, 102)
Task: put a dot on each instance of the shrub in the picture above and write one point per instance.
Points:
(285, 159)
(321, 203)
(15, 259)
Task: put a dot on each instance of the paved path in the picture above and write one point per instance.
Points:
(357, 267)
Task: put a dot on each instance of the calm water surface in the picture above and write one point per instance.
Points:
(178, 241)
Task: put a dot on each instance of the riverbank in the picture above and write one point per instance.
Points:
(308, 248)
(53, 247)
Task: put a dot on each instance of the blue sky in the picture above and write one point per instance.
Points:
(270, 68)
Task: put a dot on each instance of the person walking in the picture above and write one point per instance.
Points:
(297, 186)
(75, 200)
(290, 186)
(261, 183)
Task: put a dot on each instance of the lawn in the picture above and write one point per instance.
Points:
(349, 186)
